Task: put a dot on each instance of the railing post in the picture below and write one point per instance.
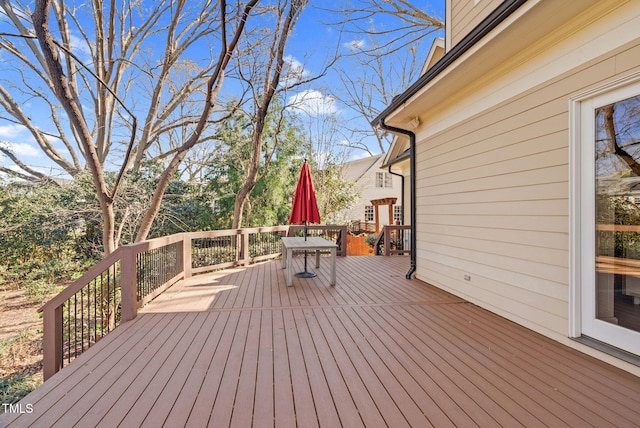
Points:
(52, 341)
(387, 241)
(129, 284)
(187, 263)
(245, 248)
(343, 238)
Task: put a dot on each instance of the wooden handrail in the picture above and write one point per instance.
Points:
(128, 250)
(122, 267)
(387, 232)
(88, 276)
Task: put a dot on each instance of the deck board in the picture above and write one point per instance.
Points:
(210, 388)
(483, 379)
(181, 408)
(179, 377)
(239, 348)
(353, 384)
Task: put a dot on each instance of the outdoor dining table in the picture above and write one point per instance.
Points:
(311, 243)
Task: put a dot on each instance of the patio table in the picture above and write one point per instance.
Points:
(311, 243)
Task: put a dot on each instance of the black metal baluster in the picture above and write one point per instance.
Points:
(94, 317)
(68, 303)
(112, 304)
(75, 325)
(82, 319)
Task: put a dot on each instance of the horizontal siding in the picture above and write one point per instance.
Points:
(478, 178)
(466, 14)
(517, 272)
(499, 148)
(493, 191)
(533, 238)
(509, 251)
(548, 311)
(498, 221)
(521, 207)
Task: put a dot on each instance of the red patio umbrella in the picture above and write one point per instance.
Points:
(305, 208)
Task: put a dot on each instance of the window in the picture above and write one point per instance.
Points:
(368, 213)
(384, 179)
(379, 179)
(397, 213)
(388, 180)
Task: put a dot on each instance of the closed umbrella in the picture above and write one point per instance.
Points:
(304, 209)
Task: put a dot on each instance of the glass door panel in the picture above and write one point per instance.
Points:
(617, 213)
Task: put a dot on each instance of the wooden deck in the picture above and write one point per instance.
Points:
(240, 348)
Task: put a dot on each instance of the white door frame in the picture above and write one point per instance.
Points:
(582, 317)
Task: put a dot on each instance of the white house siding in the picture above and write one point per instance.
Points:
(404, 168)
(493, 171)
(406, 173)
(363, 173)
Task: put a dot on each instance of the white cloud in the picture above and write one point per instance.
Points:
(11, 131)
(355, 45)
(294, 71)
(80, 46)
(23, 149)
(314, 103)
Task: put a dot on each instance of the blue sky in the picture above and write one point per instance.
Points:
(314, 40)
(310, 47)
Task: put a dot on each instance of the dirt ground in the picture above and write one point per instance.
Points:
(20, 337)
(17, 314)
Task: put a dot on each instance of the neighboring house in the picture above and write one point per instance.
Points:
(373, 184)
(523, 202)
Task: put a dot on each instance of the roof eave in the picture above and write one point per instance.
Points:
(404, 156)
(494, 19)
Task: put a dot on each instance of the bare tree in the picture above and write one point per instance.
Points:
(386, 52)
(366, 93)
(408, 23)
(268, 75)
(612, 137)
(214, 85)
(91, 124)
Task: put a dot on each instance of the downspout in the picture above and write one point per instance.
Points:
(401, 193)
(492, 21)
(412, 143)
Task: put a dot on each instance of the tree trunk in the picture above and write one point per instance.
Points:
(610, 127)
(238, 207)
(271, 82)
(73, 109)
(213, 88)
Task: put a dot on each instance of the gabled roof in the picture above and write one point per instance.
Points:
(435, 54)
(355, 170)
(399, 147)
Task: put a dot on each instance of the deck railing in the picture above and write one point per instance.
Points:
(393, 240)
(114, 289)
(357, 227)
